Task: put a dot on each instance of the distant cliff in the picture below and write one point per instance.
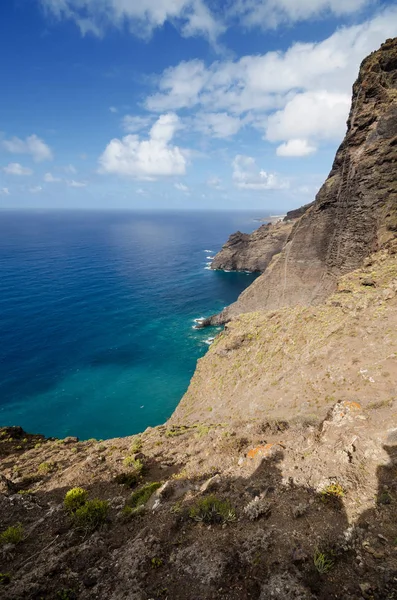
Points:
(252, 251)
(355, 211)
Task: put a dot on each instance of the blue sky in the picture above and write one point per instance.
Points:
(177, 103)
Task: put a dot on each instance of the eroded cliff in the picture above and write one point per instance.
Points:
(355, 211)
(252, 251)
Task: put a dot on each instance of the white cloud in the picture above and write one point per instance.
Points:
(113, 109)
(192, 17)
(320, 115)
(218, 125)
(180, 86)
(295, 147)
(4, 191)
(32, 145)
(146, 159)
(76, 184)
(49, 178)
(132, 123)
(272, 13)
(308, 86)
(215, 183)
(17, 169)
(70, 169)
(247, 176)
(36, 189)
(181, 187)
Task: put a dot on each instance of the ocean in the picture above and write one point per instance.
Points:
(97, 312)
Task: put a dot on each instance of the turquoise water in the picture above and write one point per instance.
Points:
(96, 315)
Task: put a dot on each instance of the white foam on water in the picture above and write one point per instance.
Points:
(208, 251)
(209, 257)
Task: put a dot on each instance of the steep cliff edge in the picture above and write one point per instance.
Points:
(252, 251)
(355, 211)
(276, 477)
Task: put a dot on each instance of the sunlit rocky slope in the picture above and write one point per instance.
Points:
(276, 477)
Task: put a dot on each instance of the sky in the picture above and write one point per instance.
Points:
(177, 104)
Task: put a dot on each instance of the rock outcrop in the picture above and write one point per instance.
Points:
(355, 211)
(252, 251)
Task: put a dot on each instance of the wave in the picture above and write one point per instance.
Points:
(209, 257)
(208, 251)
(209, 341)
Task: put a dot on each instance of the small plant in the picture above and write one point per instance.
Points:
(46, 467)
(257, 508)
(12, 535)
(91, 515)
(156, 562)
(385, 497)
(128, 479)
(5, 578)
(141, 496)
(75, 499)
(212, 510)
(136, 445)
(322, 562)
(332, 491)
(66, 595)
(131, 463)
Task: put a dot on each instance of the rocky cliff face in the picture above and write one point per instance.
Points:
(355, 211)
(254, 251)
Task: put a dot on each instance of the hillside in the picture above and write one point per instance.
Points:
(276, 477)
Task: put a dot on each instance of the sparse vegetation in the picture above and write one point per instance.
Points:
(66, 595)
(75, 498)
(333, 491)
(385, 497)
(213, 510)
(156, 562)
(322, 562)
(141, 496)
(131, 463)
(46, 467)
(91, 515)
(136, 445)
(12, 535)
(5, 578)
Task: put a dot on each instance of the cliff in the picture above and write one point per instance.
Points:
(355, 211)
(252, 252)
(276, 476)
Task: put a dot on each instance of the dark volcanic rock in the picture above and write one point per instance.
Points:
(355, 211)
(298, 212)
(252, 251)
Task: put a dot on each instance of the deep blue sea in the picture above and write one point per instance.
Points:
(96, 315)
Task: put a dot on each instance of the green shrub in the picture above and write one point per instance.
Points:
(46, 467)
(128, 479)
(212, 510)
(12, 535)
(136, 445)
(91, 515)
(322, 562)
(5, 578)
(141, 496)
(131, 463)
(156, 562)
(66, 595)
(333, 491)
(75, 498)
